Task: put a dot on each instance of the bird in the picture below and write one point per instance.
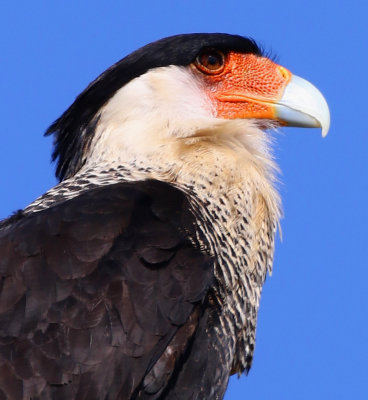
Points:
(139, 275)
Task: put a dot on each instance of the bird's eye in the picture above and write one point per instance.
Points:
(210, 61)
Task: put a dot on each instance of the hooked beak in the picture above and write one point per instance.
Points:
(257, 88)
(302, 104)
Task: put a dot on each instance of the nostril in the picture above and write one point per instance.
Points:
(284, 72)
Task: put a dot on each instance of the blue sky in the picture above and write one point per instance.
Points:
(312, 331)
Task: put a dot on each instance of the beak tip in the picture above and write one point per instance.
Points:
(325, 120)
(325, 131)
(302, 104)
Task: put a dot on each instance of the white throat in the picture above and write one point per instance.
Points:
(155, 114)
(162, 125)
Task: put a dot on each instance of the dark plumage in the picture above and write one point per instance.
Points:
(74, 129)
(139, 275)
(108, 280)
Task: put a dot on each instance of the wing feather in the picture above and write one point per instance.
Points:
(100, 294)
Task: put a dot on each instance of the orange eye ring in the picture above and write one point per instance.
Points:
(210, 61)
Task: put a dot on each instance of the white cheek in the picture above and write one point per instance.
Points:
(150, 110)
(179, 91)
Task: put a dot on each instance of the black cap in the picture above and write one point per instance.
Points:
(74, 130)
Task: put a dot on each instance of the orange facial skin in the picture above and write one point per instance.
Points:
(246, 87)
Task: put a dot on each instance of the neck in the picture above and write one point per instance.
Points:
(228, 176)
(222, 158)
(224, 166)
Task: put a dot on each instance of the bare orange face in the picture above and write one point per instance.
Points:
(242, 85)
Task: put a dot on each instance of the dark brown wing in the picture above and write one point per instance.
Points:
(101, 295)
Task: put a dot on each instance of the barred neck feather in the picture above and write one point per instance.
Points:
(161, 125)
(226, 169)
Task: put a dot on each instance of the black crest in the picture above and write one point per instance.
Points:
(74, 130)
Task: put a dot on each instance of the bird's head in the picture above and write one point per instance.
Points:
(176, 88)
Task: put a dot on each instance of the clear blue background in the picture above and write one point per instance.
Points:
(312, 331)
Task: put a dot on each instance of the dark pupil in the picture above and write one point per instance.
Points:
(212, 60)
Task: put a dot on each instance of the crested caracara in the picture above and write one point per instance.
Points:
(139, 275)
